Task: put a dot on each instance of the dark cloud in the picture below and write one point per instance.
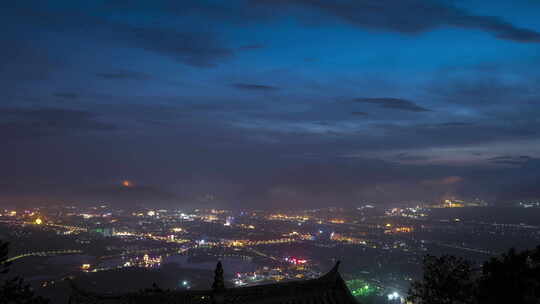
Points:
(133, 75)
(20, 123)
(456, 124)
(393, 103)
(312, 150)
(491, 99)
(409, 16)
(409, 157)
(252, 47)
(67, 95)
(360, 113)
(201, 49)
(254, 87)
(190, 46)
(447, 125)
(487, 89)
(511, 160)
(24, 59)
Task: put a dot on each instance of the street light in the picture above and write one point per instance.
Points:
(393, 296)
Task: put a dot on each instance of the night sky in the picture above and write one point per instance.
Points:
(268, 103)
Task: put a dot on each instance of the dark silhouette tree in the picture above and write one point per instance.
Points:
(4, 264)
(447, 280)
(14, 290)
(513, 277)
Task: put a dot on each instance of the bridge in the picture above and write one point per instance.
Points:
(42, 253)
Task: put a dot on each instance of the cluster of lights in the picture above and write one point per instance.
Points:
(127, 183)
(349, 239)
(185, 284)
(363, 291)
(360, 288)
(295, 261)
(393, 296)
(147, 262)
(296, 235)
(209, 218)
(288, 217)
(337, 221)
(400, 230)
(411, 212)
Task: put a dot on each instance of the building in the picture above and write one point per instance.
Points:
(327, 289)
(106, 231)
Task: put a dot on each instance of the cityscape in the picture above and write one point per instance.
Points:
(381, 248)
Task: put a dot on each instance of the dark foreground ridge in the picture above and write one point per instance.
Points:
(327, 289)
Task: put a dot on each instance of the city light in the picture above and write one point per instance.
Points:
(295, 261)
(393, 296)
(127, 183)
(200, 234)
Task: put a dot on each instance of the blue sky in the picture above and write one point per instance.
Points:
(269, 102)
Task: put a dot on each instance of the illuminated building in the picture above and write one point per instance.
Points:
(146, 262)
(454, 203)
(296, 261)
(209, 218)
(399, 230)
(229, 221)
(338, 237)
(285, 217)
(106, 232)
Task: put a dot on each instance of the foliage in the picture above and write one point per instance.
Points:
(513, 277)
(447, 280)
(14, 290)
(4, 265)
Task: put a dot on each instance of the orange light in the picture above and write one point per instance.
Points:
(127, 183)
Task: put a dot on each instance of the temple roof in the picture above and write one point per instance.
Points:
(327, 289)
